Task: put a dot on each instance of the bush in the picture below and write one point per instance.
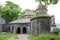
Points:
(44, 37)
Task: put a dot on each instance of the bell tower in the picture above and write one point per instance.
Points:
(40, 8)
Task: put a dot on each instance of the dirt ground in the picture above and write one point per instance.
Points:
(20, 37)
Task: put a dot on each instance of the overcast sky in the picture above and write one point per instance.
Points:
(31, 4)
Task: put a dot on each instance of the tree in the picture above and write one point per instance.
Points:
(47, 2)
(0, 8)
(10, 11)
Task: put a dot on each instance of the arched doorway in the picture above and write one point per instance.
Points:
(24, 30)
(18, 30)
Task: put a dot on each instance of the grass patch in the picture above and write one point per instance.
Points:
(6, 36)
(44, 37)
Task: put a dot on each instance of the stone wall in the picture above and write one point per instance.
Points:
(15, 26)
(53, 25)
(40, 25)
(5, 28)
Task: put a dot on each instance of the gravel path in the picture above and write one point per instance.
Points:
(20, 37)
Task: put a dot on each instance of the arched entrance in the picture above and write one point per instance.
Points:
(24, 30)
(18, 30)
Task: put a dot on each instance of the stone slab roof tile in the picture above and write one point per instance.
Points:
(23, 20)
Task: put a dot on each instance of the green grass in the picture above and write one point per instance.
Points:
(41, 15)
(44, 37)
(6, 36)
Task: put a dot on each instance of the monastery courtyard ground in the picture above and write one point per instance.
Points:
(20, 37)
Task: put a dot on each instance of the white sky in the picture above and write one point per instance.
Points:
(31, 4)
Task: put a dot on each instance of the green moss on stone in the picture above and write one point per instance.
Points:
(41, 15)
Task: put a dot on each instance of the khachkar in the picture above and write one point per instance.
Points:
(42, 22)
(2, 21)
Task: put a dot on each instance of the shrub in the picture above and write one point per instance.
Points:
(45, 37)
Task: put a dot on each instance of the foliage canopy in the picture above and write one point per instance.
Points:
(47, 2)
(10, 11)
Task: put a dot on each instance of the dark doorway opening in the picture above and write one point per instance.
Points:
(18, 30)
(24, 30)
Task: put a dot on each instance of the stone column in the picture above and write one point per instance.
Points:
(15, 29)
(10, 28)
(28, 30)
(31, 30)
(52, 20)
(53, 26)
(21, 29)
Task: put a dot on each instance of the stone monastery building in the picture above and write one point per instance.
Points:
(29, 25)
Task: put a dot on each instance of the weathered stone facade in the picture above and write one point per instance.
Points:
(41, 25)
(2, 21)
(29, 25)
(19, 28)
(21, 25)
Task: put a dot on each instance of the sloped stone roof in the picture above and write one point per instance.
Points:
(26, 18)
(22, 20)
(2, 21)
